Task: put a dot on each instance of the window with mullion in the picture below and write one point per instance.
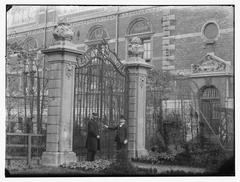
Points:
(147, 49)
(146, 42)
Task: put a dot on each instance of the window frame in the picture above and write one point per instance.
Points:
(90, 42)
(147, 51)
(142, 35)
(210, 40)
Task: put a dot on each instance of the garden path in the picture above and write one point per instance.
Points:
(164, 168)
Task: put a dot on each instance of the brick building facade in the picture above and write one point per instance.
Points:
(195, 43)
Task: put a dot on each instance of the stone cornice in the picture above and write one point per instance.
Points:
(62, 47)
(181, 75)
(18, 26)
(142, 35)
(202, 75)
(197, 34)
(134, 62)
(88, 20)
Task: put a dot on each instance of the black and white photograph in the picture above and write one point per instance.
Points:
(118, 90)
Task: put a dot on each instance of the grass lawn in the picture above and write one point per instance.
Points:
(48, 172)
(42, 171)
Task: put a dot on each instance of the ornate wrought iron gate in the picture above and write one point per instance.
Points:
(100, 87)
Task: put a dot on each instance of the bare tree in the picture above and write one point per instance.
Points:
(30, 68)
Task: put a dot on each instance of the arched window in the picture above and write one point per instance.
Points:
(210, 93)
(142, 28)
(139, 26)
(95, 34)
(30, 44)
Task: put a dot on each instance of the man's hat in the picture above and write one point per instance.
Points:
(122, 117)
(94, 114)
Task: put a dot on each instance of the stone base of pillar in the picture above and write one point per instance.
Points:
(141, 152)
(58, 158)
(131, 154)
(137, 153)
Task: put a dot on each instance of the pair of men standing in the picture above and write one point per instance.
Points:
(93, 137)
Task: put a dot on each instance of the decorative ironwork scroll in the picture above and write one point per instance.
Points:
(100, 87)
(103, 52)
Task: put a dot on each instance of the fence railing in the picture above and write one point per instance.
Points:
(25, 146)
(213, 132)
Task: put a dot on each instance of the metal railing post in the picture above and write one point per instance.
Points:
(212, 130)
(29, 149)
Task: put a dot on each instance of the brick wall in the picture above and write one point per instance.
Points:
(157, 46)
(189, 45)
(191, 19)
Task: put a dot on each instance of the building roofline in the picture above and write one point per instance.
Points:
(72, 22)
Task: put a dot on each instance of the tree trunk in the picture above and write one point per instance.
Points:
(39, 121)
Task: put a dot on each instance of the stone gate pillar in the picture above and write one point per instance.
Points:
(61, 59)
(137, 70)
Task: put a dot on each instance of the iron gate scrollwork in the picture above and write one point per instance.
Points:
(100, 87)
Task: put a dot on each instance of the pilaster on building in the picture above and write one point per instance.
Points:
(168, 45)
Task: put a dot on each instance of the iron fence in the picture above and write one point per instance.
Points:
(26, 102)
(176, 114)
(26, 89)
(27, 147)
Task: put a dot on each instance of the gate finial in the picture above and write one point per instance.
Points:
(135, 48)
(63, 31)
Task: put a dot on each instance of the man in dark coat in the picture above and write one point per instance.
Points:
(92, 142)
(29, 125)
(121, 138)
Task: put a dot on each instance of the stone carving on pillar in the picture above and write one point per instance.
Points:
(82, 60)
(142, 80)
(135, 48)
(69, 70)
(63, 31)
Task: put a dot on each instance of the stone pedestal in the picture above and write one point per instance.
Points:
(137, 70)
(61, 63)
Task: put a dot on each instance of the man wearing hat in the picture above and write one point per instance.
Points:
(92, 142)
(29, 125)
(121, 137)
